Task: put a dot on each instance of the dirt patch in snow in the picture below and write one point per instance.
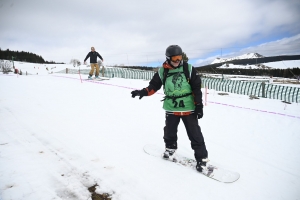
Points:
(96, 196)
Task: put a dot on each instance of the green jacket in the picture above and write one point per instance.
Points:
(178, 91)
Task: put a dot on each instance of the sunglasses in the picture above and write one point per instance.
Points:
(176, 58)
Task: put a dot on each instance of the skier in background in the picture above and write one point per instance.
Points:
(183, 101)
(93, 61)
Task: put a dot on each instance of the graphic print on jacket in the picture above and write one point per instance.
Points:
(178, 91)
(177, 81)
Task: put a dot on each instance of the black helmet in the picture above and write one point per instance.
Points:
(173, 50)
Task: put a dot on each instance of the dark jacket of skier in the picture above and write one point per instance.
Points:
(93, 56)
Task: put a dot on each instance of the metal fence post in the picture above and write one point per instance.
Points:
(263, 84)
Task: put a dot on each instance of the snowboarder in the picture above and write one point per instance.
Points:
(93, 61)
(183, 100)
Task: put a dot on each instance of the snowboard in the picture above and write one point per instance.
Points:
(213, 170)
(97, 79)
(93, 79)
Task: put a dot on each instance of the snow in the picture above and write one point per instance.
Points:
(59, 136)
(232, 66)
(275, 65)
(284, 64)
(271, 65)
(43, 69)
(244, 56)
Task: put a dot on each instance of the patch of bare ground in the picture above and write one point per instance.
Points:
(96, 196)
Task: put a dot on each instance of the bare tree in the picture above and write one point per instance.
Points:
(75, 62)
(6, 66)
(100, 63)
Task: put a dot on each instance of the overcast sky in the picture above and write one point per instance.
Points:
(137, 32)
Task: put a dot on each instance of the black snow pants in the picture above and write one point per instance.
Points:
(193, 130)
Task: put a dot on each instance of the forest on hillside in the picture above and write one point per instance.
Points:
(23, 56)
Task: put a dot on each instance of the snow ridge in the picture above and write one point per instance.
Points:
(244, 56)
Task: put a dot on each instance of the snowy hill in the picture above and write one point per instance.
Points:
(271, 65)
(232, 66)
(284, 64)
(45, 69)
(41, 69)
(59, 136)
(244, 56)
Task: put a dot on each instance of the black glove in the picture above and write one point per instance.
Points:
(198, 111)
(140, 93)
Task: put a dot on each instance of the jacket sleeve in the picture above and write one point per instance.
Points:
(154, 85)
(99, 56)
(87, 56)
(196, 86)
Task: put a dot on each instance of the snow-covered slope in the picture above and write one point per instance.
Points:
(232, 66)
(244, 56)
(59, 136)
(42, 69)
(271, 65)
(284, 64)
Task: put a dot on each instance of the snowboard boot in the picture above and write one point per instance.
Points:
(90, 77)
(97, 77)
(201, 165)
(169, 154)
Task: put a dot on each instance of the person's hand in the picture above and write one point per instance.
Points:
(84, 62)
(140, 93)
(198, 111)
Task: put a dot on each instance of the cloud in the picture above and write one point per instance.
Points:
(137, 32)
